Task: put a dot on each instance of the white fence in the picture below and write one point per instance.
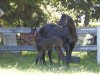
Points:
(9, 40)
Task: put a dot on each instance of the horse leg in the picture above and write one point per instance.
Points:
(72, 45)
(59, 55)
(62, 56)
(39, 56)
(67, 49)
(74, 58)
(43, 57)
(50, 55)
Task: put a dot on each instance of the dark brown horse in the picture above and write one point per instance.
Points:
(66, 30)
(43, 44)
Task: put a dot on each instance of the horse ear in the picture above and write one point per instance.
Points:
(35, 29)
(63, 15)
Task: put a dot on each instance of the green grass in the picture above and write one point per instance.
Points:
(25, 64)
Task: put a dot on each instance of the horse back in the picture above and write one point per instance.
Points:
(45, 29)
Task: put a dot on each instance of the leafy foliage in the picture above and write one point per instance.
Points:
(89, 8)
(32, 13)
(22, 12)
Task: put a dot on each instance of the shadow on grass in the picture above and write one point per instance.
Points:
(89, 62)
(27, 60)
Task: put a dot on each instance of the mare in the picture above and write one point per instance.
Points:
(64, 29)
(43, 44)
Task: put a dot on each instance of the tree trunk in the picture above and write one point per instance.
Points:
(27, 14)
(86, 21)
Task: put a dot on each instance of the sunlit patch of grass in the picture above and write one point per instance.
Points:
(37, 72)
(25, 64)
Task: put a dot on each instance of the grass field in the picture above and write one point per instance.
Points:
(24, 65)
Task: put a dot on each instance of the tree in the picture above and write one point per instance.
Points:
(86, 7)
(29, 12)
(22, 13)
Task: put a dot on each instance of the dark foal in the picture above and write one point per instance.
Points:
(43, 44)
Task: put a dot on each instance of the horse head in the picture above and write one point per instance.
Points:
(63, 21)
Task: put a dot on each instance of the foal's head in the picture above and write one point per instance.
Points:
(36, 33)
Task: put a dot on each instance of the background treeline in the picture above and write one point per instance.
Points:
(32, 13)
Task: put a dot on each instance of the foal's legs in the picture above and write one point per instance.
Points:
(60, 55)
(39, 56)
(50, 55)
(43, 57)
(58, 52)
